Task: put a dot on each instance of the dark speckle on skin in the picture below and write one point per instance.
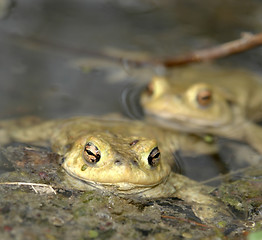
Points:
(118, 162)
(134, 162)
(134, 142)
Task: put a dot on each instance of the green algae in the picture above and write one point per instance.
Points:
(255, 236)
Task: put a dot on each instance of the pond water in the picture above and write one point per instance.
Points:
(49, 63)
(43, 45)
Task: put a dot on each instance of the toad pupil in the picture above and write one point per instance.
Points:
(204, 98)
(91, 153)
(154, 157)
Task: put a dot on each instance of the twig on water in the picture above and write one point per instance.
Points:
(246, 42)
(230, 174)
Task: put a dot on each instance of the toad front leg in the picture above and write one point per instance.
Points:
(206, 207)
(253, 135)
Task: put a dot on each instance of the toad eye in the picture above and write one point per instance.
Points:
(150, 89)
(154, 157)
(91, 153)
(204, 97)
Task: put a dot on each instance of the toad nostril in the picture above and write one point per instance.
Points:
(118, 162)
(134, 162)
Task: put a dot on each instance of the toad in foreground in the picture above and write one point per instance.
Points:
(121, 157)
(205, 99)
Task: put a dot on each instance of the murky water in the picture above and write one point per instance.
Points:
(47, 48)
(46, 80)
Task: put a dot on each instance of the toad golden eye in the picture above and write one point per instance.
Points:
(204, 97)
(91, 153)
(150, 89)
(154, 157)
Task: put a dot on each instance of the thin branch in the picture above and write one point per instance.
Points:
(230, 174)
(246, 42)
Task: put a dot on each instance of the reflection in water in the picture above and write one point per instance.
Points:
(130, 102)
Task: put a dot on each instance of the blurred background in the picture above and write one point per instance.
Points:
(48, 49)
(53, 54)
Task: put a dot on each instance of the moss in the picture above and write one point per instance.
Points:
(92, 234)
(255, 236)
(242, 194)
